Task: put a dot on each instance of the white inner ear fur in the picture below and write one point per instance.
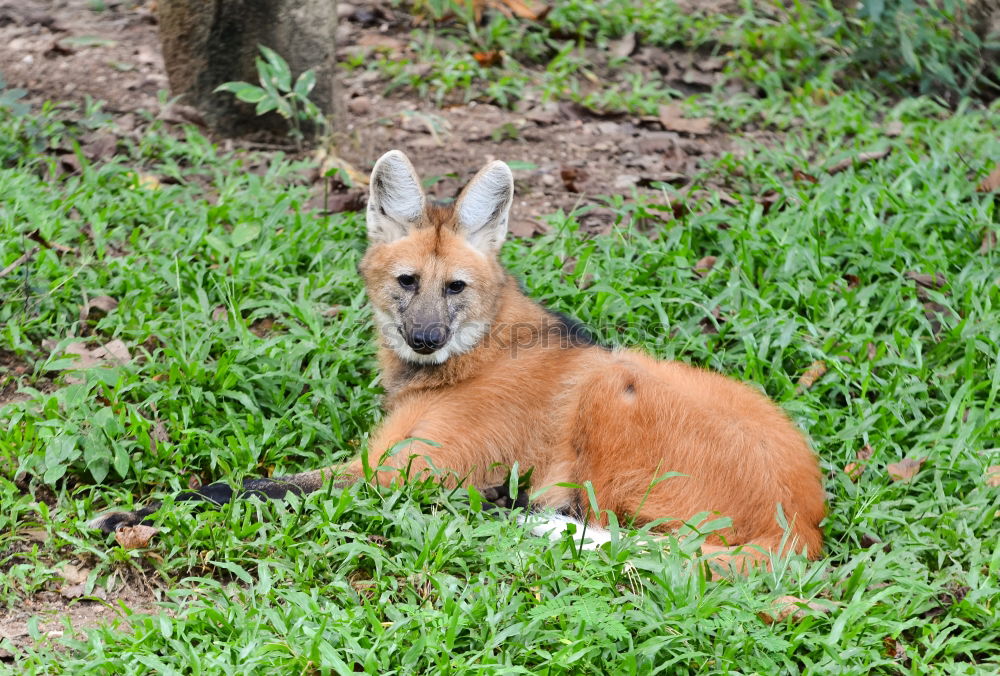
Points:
(484, 206)
(395, 200)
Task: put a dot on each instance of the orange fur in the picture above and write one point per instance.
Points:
(616, 418)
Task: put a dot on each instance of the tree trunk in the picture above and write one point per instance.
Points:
(208, 42)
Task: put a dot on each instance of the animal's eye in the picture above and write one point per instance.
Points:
(456, 286)
(408, 282)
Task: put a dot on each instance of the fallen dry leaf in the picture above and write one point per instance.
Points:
(101, 147)
(333, 311)
(803, 176)
(672, 119)
(488, 59)
(178, 113)
(852, 280)
(854, 470)
(868, 540)
(726, 198)
(380, 42)
(134, 537)
(69, 163)
(332, 165)
(993, 476)
(103, 303)
(220, 313)
(115, 351)
(148, 182)
(857, 160)
(896, 649)
(73, 574)
(989, 242)
(698, 77)
(262, 326)
(598, 221)
(702, 267)
(85, 358)
(710, 64)
(57, 48)
(894, 128)
(933, 312)
(354, 200)
(991, 182)
(526, 228)
(35, 534)
(921, 279)
(706, 323)
(522, 10)
(793, 607)
(623, 182)
(72, 591)
(811, 375)
(622, 49)
(952, 595)
(572, 178)
(769, 199)
(905, 469)
(158, 434)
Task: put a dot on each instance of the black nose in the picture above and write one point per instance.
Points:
(428, 339)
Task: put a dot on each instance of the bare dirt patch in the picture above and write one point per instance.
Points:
(16, 372)
(11, 369)
(66, 608)
(63, 50)
(52, 611)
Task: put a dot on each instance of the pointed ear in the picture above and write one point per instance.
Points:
(483, 206)
(395, 200)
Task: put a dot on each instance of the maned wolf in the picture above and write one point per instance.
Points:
(468, 361)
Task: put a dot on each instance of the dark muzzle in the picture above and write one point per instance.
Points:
(427, 339)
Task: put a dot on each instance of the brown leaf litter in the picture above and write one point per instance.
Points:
(793, 608)
(811, 375)
(904, 470)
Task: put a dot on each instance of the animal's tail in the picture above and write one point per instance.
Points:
(277, 488)
(220, 493)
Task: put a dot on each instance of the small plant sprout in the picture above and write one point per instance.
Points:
(276, 93)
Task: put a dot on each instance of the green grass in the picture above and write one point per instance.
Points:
(414, 579)
(889, 46)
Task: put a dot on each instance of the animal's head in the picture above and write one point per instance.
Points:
(432, 273)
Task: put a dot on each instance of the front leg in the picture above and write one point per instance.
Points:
(459, 452)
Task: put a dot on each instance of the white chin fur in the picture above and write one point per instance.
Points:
(461, 341)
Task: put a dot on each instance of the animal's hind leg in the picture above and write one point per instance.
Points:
(638, 420)
(614, 435)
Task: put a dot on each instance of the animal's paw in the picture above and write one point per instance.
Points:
(112, 521)
(500, 498)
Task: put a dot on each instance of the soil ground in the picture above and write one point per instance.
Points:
(62, 50)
